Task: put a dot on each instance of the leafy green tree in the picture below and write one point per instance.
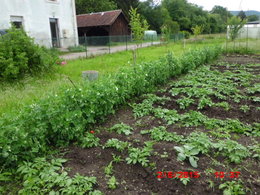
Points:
(252, 18)
(169, 27)
(88, 6)
(235, 24)
(126, 5)
(242, 15)
(197, 30)
(138, 26)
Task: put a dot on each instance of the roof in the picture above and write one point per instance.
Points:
(98, 19)
(254, 22)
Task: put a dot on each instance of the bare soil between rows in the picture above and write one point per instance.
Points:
(135, 179)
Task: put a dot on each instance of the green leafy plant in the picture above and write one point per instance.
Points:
(89, 141)
(160, 134)
(205, 101)
(137, 155)
(188, 152)
(185, 102)
(117, 144)
(234, 151)
(19, 55)
(122, 129)
(232, 187)
(109, 169)
(244, 108)
(42, 176)
(112, 183)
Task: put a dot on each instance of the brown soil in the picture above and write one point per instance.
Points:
(135, 179)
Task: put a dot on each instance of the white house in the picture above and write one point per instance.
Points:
(49, 22)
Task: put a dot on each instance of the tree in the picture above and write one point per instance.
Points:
(138, 26)
(242, 15)
(197, 30)
(252, 18)
(88, 6)
(126, 5)
(169, 27)
(235, 24)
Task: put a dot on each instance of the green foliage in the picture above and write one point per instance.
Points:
(137, 155)
(138, 26)
(160, 134)
(89, 141)
(122, 129)
(169, 27)
(232, 187)
(185, 102)
(186, 34)
(235, 24)
(188, 152)
(62, 119)
(112, 183)
(109, 169)
(117, 144)
(170, 116)
(41, 176)
(197, 30)
(20, 56)
(89, 6)
(244, 108)
(200, 141)
(234, 151)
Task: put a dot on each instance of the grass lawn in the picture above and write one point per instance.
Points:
(14, 95)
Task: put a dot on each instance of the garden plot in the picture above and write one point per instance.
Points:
(205, 123)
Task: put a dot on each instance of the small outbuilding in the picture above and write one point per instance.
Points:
(110, 23)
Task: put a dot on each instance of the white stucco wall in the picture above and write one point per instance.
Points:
(36, 15)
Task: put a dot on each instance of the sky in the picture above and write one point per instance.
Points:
(231, 5)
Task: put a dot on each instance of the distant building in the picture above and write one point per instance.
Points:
(110, 23)
(51, 23)
(250, 30)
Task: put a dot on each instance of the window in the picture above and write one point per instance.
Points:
(17, 21)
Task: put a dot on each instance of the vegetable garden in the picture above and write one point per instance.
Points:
(197, 132)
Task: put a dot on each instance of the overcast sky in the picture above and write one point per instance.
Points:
(231, 5)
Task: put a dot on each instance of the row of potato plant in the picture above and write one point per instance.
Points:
(65, 118)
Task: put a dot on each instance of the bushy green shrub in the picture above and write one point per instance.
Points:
(61, 119)
(187, 34)
(19, 55)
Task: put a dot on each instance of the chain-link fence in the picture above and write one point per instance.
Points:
(97, 45)
(248, 39)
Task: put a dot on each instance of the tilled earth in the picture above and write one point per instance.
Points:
(136, 179)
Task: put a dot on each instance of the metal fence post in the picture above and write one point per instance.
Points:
(109, 44)
(86, 48)
(126, 42)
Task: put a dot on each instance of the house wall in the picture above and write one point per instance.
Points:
(36, 15)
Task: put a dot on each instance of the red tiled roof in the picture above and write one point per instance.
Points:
(98, 19)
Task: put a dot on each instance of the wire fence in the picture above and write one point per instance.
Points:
(96, 45)
(247, 39)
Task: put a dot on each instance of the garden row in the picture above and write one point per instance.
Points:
(198, 135)
(62, 119)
